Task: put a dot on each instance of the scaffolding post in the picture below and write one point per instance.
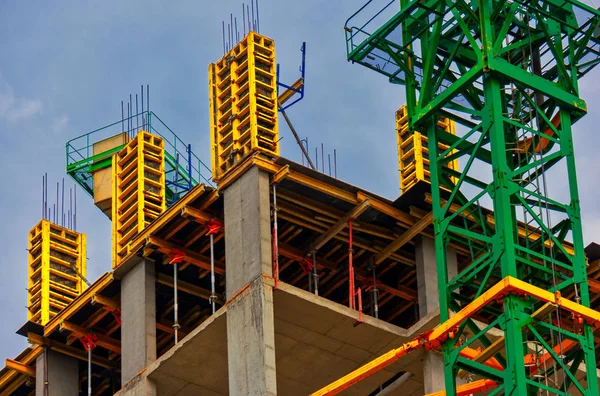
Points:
(175, 258)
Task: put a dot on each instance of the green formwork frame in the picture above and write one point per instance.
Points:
(507, 72)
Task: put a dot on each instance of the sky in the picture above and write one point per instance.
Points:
(66, 66)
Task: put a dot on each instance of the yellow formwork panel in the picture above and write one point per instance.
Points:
(138, 190)
(413, 152)
(56, 256)
(243, 104)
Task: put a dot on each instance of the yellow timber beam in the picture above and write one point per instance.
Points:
(81, 301)
(337, 227)
(70, 351)
(404, 238)
(103, 341)
(184, 286)
(20, 367)
(288, 93)
(109, 304)
(7, 385)
(192, 257)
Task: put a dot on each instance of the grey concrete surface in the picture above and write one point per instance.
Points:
(138, 315)
(62, 374)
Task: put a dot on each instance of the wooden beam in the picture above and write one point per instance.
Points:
(280, 174)
(295, 254)
(20, 367)
(109, 304)
(81, 301)
(80, 354)
(195, 215)
(340, 225)
(103, 341)
(183, 286)
(404, 238)
(190, 256)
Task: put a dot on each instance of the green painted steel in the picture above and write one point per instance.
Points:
(507, 72)
(182, 167)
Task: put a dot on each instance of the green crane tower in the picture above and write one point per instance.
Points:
(507, 72)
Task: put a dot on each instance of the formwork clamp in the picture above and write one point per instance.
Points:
(89, 341)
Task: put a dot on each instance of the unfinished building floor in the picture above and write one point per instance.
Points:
(316, 342)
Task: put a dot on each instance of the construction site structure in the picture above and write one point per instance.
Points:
(56, 270)
(275, 278)
(413, 150)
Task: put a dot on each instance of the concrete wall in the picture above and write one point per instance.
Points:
(62, 375)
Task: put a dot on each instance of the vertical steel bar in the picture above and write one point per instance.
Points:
(89, 364)
(213, 295)
(350, 268)
(175, 304)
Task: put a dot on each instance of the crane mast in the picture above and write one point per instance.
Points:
(507, 73)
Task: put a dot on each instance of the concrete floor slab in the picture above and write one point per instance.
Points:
(316, 342)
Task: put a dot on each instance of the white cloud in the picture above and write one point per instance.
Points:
(14, 108)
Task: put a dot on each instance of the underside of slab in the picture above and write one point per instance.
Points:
(316, 342)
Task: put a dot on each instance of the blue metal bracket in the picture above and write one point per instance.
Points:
(298, 86)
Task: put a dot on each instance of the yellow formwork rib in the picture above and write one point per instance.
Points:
(243, 104)
(56, 256)
(138, 190)
(413, 152)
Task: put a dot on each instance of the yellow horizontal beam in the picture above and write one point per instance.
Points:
(70, 351)
(20, 367)
(184, 286)
(192, 257)
(103, 340)
(403, 239)
(288, 93)
(7, 385)
(81, 301)
(340, 225)
(108, 303)
(511, 285)
(383, 361)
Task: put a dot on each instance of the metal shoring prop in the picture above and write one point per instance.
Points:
(315, 274)
(176, 257)
(212, 227)
(275, 238)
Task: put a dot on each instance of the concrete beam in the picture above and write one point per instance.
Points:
(138, 315)
(250, 319)
(56, 374)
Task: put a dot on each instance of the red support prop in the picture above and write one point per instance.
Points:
(213, 227)
(176, 256)
(351, 300)
(89, 342)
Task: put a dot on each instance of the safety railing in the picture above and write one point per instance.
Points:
(183, 168)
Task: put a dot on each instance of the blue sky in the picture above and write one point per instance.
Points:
(66, 66)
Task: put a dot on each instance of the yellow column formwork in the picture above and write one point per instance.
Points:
(55, 257)
(138, 190)
(243, 104)
(413, 153)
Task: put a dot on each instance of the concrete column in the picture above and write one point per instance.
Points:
(138, 316)
(250, 320)
(61, 372)
(427, 283)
